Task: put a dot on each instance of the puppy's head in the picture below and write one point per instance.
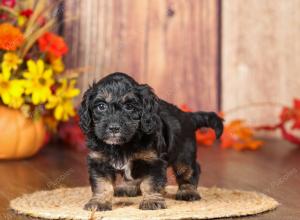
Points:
(117, 108)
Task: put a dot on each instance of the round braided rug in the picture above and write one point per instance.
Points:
(67, 203)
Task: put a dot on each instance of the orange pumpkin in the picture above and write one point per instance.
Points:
(20, 137)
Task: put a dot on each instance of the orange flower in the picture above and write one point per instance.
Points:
(10, 37)
(53, 44)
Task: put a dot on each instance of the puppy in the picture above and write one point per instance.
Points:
(129, 130)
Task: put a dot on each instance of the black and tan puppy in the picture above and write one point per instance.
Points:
(129, 130)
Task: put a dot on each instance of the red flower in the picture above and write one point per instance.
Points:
(53, 44)
(8, 3)
(26, 13)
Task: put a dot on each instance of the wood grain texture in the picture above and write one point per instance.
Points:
(170, 44)
(260, 56)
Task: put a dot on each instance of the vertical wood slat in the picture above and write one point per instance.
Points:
(170, 44)
(261, 56)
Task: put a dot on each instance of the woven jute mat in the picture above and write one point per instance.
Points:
(67, 203)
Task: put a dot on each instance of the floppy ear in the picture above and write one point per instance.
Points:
(150, 120)
(149, 117)
(84, 111)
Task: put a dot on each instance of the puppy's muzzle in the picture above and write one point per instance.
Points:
(114, 134)
(114, 128)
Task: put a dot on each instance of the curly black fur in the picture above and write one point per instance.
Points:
(129, 129)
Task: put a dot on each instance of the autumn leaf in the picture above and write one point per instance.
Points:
(236, 135)
(185, 108)
(205, 137)
(239, 136)
(290, 114)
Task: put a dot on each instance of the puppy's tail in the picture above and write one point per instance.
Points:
(210, 120)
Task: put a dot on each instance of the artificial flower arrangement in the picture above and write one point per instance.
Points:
(32, 76)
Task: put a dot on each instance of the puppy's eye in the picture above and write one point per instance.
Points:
(129, 107)
(102, 107)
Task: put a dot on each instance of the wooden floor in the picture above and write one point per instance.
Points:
(274, 170)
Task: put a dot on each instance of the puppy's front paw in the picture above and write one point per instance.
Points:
(129, 191)
(153, 204)
(187, 195)
(96, 205)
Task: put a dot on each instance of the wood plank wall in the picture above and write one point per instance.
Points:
(260, 56)
(170, 44)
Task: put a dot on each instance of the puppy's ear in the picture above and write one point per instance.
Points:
(149, 119)
(84, 111)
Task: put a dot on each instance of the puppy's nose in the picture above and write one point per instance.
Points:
(114, 128)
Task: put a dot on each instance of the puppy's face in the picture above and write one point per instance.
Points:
(116, 114)
(117, 108)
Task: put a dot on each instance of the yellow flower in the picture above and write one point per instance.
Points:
(39, 81)
(57, 65)
(16, 102)
(10, 90)
(61, 101)
(64, 110)
(21, 20)
(11, 61)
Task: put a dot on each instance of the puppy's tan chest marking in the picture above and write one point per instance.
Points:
(146, 155)
(98, 156)
(119, 164)
(123, 165)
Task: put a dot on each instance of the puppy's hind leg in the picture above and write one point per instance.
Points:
(187, 176)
